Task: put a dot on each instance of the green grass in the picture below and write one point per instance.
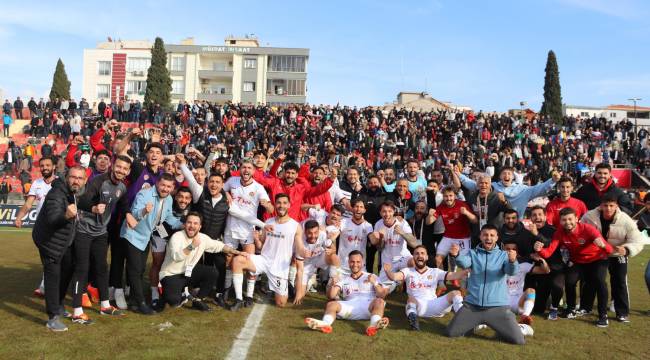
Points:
(282, 334)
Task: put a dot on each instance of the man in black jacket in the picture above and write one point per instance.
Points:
(513, 231)
(373, 197)
(601, 184)
(53, 235)
(18, 107)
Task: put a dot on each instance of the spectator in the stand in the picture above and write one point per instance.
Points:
(5, 189)
(6, 122)
(6, 107)
(18, 108)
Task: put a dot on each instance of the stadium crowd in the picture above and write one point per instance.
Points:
(356, 201)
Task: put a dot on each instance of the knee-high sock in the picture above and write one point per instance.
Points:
(411, 308)
(457, 303)
(328, 319)
(228, 282)
(374, 319)
(292, 275)
(238, 283)
(250, 287)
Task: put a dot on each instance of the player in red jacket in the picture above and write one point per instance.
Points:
(588, 256)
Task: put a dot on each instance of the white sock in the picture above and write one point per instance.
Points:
(528, 307)
(411, 308)
(42, 285)
(118, 292)
(250, 287)
(186, 291)
(228, 282)
(374, 319)
(292, 275)
(328, 319)
(457, 303)
(154, 293)
(127, 291)
(238, 283)
(111, 293)
(105, 304)
(78, 311)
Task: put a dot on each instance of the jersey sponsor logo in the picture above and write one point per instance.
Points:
(582, 241)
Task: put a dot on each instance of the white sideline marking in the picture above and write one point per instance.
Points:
(243, 341)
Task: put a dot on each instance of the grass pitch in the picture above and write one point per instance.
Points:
(282, 334)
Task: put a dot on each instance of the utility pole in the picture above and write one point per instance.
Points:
(636, 126)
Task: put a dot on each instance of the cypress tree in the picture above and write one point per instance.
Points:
(552, 106)
(159, 83)
(60, 83)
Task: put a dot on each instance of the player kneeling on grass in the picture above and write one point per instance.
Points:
(486, 301)
(363, 299)
(421, 282)
(281, 236)
(181, 267)
(323, 256)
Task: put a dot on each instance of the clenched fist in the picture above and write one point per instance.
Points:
(71, 211)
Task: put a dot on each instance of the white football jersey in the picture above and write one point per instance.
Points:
(278, 246)
(516, 282)
(394, 245)
(39, 190)
(357, 288)
(353, 237)
(246, 199)
(422, 285)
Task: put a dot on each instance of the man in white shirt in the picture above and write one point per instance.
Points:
(246, 196)
(363, 295)
(282, 236)
(181, 267)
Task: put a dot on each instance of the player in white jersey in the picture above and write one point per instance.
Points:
(392, 235)
(280, 238)
(37, 192)
(363, 299)
(246, 196)
(323, 256)
(354, 234)
(522, 300)
(421, 282)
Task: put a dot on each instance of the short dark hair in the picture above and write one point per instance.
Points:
(291, 166)
(449, 188)
(388, 203)
(47, 158)
(338, 207)
(564, 179)
(567, 211)
(282, 195)
(124, 158)
(102, 152)
(357, 200)
(603, 166)
(489, 227)
(537, 207)
(510, 211)
(194, 213)
(213, 174)
(310, 224)
(155, 145)
(421, 247)
(609, 197)
(167, 177)
(509, 168)
(184, 189)
(355, 252)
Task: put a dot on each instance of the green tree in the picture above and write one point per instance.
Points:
(60, 83)
(552, 106)
(159, 83)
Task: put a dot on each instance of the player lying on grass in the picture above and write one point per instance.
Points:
(363, 299)
(323, 256)
(421, 282)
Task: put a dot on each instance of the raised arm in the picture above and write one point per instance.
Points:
(467, 182)
(195, 188)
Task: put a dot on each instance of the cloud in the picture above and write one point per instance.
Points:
(624, 9)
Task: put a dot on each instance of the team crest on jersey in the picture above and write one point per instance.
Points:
(430, 277)
(251, 194)
(582, 241)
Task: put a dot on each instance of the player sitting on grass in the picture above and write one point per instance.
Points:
(363, 299)
(323, 256)
(421, 282)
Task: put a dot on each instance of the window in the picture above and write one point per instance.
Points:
(612, 115)
(103, 91)
(296, 87)
(103, 67)
(178, 63)
(287, 63)
(249, 86)
(136, 87)
(178, 87)
(137, 65)
(639, 115)
(584, 113)
(250, 63)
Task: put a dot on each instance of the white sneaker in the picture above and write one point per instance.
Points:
(527, 330)
(120, 301)
(612, 308)
(478, 328)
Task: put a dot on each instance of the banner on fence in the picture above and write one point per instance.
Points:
(8, 216)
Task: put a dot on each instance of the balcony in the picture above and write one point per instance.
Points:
(288, 99)
(217, 97)
(215, 74)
